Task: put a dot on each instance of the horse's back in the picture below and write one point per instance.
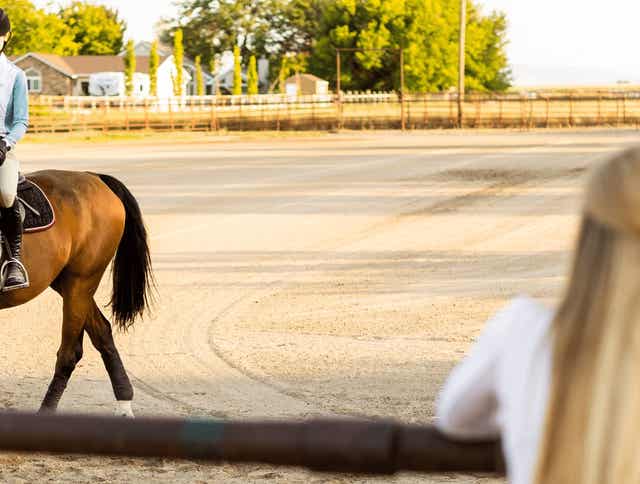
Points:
(90, 218)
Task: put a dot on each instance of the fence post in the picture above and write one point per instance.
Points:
(278, 107)
(599, 110)
(425, 114)
(452, 121)
(211, 115)
(85, 122)
(146, 114)
(193, 115)
(128, 102)
(171, 121)
(105, 115)
(624, 108)
(571, 110)
(548, 111)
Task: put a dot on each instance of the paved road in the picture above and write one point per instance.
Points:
(334, 275)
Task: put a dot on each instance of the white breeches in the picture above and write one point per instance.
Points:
(9, 180)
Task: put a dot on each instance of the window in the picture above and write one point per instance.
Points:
(34, 80)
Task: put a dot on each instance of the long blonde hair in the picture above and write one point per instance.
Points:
(593, 421)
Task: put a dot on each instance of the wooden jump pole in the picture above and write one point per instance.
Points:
(339, 446)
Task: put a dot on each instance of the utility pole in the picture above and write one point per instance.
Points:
(461, 66)
(339, 87)
(403, 121)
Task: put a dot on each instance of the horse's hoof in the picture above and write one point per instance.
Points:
(124, 410)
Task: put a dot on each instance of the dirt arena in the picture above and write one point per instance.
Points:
(325, 275)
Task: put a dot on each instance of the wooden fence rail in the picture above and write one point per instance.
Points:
(350, 110)
(342, 446)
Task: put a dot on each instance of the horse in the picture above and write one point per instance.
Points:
(98, 221)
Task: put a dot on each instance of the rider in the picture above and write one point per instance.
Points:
(14, 121)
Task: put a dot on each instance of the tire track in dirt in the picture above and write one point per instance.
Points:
(407, 212)
(253, 378)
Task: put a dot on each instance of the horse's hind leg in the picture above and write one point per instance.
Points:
(75, 311)
(99, 330)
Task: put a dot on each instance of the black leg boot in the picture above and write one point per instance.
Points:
(14, 270)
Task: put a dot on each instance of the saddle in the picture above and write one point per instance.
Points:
(37, 215)
(37, 211)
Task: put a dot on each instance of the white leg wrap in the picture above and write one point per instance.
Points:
(124, 409)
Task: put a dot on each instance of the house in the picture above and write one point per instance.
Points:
(115, 84)
(54, 75)
(306, 85)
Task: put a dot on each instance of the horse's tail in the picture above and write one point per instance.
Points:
(132, 272)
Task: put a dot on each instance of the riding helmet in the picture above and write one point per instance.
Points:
(5, 23)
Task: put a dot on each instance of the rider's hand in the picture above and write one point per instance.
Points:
(4, 148)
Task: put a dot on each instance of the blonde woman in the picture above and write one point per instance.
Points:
(563, 389)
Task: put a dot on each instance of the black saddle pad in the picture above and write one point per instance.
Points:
(39, 214)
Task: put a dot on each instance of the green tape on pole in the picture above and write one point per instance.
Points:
(202, 438)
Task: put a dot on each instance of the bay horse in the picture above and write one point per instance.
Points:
(98, 220)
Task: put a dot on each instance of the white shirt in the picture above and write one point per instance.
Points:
(502, 387)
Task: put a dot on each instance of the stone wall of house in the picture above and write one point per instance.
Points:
(54, 83)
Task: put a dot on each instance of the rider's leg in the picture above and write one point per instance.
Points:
(12, 222)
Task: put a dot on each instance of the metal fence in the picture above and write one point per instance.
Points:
(350, 111)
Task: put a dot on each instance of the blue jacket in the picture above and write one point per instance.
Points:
(14, 102)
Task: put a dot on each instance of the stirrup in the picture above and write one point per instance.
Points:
(3, 276)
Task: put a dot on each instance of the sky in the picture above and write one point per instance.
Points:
(572, 41)
(552, 42)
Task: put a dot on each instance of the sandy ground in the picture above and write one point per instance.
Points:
(331, 275)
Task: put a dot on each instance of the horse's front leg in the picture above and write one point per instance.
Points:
(76, 310)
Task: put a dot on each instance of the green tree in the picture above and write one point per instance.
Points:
(129, 68)
(237, 71)
(265, 28)
(219, 25)
(199, 77)
(486, 58)
(252, 76)
(178, 59)
(36, 30)
(426, 29)
(97, 29)
(154, 63)
(282, 75)
(428, 32)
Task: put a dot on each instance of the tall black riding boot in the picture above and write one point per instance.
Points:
(16, 274)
